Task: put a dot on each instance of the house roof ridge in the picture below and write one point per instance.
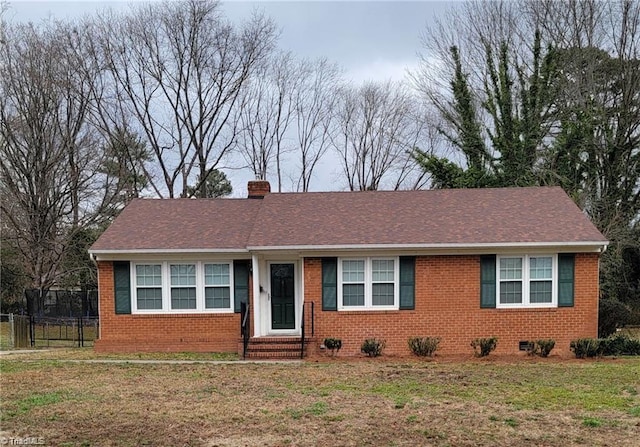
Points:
(399, 191)
(536, 214)
(377, 191)
(169, 199)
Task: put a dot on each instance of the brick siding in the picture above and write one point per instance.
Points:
(161, 333)
(448, 306)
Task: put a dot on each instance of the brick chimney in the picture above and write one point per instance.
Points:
(258, 189)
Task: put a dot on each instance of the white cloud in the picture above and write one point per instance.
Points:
(381, 70)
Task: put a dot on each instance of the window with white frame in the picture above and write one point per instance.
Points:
(540, 279)
(182, 287)
(148, 286)
(383, 282)
(217, 286)
(368, 283)
(353, 282)
(526, 280)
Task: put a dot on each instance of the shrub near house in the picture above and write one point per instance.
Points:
(516, 263)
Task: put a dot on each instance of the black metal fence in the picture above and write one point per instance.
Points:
(62, 303)
(62, 332)
(59, 318)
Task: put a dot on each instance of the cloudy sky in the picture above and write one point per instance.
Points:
(370, 40)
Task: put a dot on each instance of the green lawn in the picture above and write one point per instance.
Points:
(365, 402)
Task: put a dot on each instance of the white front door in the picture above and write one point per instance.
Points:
(278, 295)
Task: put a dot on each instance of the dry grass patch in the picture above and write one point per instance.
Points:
(5, 335)
(400, 403)
(88, 353)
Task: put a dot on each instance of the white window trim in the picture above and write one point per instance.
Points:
(368, 283)
(166, 288)
(217, 286)
(134, 288)
(171, 287)
(526, 281)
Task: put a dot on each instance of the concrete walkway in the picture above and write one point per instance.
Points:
(186, 362)
(152, 361)
(23, 351)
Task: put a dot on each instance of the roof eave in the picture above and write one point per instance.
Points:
(584, 246)
(579, 246)
(109, 255)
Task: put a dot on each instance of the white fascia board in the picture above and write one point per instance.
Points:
(111, 255)
(586, 246)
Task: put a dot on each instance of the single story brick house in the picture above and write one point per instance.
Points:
(515, 263)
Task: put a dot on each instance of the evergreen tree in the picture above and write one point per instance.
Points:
(215, 185)
(507, 152)
(464, 132)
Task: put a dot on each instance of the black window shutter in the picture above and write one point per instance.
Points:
(566, 269)
(240, 283)
(488, 281)
(329, 284)
(122, 287)
(407, 282)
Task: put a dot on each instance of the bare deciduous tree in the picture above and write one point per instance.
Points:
(286, 118)
(179, 68)
(315, 104)
(375, 133)
(265, 114)
(50, 165)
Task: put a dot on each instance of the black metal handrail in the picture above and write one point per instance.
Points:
(313, 318)
(244, 328)
(302, 334)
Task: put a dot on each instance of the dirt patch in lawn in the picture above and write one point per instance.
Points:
(336, 403)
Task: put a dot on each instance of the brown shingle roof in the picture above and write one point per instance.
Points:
(462, 216)
(181, 224)
(402, 218)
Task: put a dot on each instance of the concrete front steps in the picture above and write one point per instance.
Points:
(266, 348)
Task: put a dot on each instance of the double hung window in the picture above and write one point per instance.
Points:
(368, 283)
(148, 280)
(182, 287)
(217, 286)
(526, 281)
